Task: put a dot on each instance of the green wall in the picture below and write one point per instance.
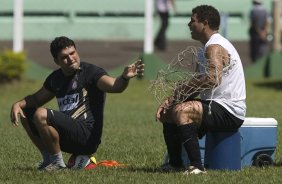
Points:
(111, 19)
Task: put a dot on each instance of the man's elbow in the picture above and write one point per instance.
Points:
(214, 81)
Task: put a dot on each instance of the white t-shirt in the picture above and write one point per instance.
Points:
(163, 5)
(231, 93)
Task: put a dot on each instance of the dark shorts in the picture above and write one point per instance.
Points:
(76, 136)
(220, 119)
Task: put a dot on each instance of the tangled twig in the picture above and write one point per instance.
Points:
(180, 77)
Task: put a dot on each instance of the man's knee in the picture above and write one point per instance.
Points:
(181, 117)
(40, 116)
(188, 112)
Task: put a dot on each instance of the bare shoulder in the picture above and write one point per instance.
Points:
(217, 52)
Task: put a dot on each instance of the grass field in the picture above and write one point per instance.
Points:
(131, 136)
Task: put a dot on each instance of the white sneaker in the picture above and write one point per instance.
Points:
(42, 165)
(194, 170)
(53, 167)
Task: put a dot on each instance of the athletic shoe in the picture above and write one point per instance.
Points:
(169, 168)
(53, 167)
(42, 165)
(194, 170)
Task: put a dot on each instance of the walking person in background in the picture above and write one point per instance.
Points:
(163, 8)
(258, 31)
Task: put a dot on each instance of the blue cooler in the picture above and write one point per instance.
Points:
(258, 141)
(223, 151)
(258, 144)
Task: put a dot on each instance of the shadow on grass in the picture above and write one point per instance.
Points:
(273, 84)
(144, 169)
(277, 164)
(156, 170)
(24, 168)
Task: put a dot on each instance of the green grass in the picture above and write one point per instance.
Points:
(131, 136)
(36, 71)
(269, 65)
(152, 64)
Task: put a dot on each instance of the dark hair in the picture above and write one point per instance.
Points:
(209, 13)
(59, 43)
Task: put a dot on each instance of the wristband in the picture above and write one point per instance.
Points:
(125, 79)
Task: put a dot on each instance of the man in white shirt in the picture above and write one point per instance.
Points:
(221, 106)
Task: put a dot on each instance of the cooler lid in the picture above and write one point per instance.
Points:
(259, 122)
